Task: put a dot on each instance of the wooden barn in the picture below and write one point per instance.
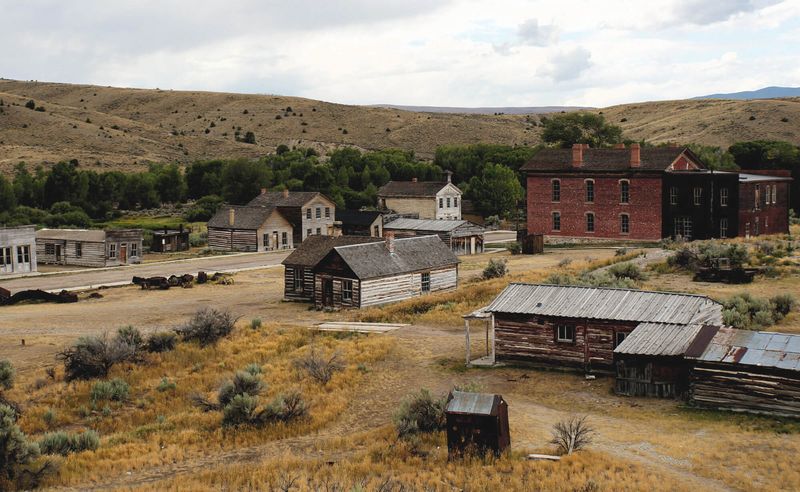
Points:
(578, 328)
(362, 275)
(462, 236)
(17, 249)
(168, 240)
(360, 222)
(89, 247)
(746, 371)
(650, 361)
(236, 228)
(299, 266)
(476, 422)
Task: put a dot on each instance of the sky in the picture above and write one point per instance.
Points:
(415, 52)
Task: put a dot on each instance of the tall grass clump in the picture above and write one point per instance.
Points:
(64, 443)
(114, 390)
(420, 413)
(207, 326)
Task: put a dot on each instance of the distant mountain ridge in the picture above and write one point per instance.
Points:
(771, 92)
(484, 110)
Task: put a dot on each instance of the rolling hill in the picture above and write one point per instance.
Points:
(771, 92)
(118, 128)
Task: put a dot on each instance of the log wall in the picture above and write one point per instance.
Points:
(307, 292)
(657, 377)
(93, 254)
(232, 239)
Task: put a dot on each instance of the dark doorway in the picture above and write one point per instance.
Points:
(327, 292)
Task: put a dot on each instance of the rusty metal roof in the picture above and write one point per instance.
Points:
(606, 303)
(754, 348)
(663, 339)
(473, 403)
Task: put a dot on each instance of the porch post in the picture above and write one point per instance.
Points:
(493, 338)
(466, 331)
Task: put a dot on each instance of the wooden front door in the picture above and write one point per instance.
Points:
(58, 252)
(123, 253)
(327, 292)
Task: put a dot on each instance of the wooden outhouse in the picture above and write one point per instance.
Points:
(476, 422)
(17, 250)
(89, 247)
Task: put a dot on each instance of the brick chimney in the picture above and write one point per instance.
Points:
(636, 155)
(389, 238)
(286, 192)
(577, 155)
(449, 175)
(413, 180)
(231, 216)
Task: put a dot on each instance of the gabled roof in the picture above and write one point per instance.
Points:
(244, 217)
(652, 159)
(88, 235)
(357, 217)
(278, 199)
(663, 339)
(423, 189)
(753, 348)
(606, 303)
(411, 254)
(316, 247)
(473, 403)
(427, 225)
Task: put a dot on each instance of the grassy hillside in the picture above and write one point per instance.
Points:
(116, 128)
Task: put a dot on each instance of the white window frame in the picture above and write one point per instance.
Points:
(448, 202)
(23, 254)
(723, 228)
(624, 191)
(441, 202)
(308, 213)
(5, 256)
(134, 247)
(425, 282)
(298, 281)
(455, 202)
(723, 197)
(112, 251)
(697, 195)
(673, 195)
(774, 194)
(308, 232)
(284, 239)
(589, 190)
(327, 212)
(318, 215)
(565, 333)
(555, 190)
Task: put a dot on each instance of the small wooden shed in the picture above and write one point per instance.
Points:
(476, 422)
(168, 240)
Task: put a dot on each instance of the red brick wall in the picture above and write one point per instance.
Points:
(771, 218)
(644, 208)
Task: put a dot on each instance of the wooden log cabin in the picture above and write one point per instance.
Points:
(462, 236)
(578, 328)
(89, 247)
(362, 275)
(249, 228)
(17, 250)
(746, 371)
(299, 266)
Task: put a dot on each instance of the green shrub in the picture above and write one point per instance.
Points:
(165, 385)
(420, 413)
(64, 443)
(93, 356)
(495, 269)
(161, 342)
(7, 375)
(242, 383)
(254, 369)
(783, 303)
(114, 390)
(198, 239)
(240, 410)
(747, 312)
(255, 323)
(207, 326)
(284, 408)
(627, 270)
(16, 451)
(514, 248)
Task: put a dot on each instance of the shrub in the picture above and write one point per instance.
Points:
(6, 375)
(165, 385)
(240, 410)
(161, 342)
(496, 268)
(284, 408)
(64, 443)
(255, 323)
(198, 239)
(114, 390)
(565, 263)
(318, 367)
(747, 312)
(621, 252)
(572, 435)
(254, 369)
(207, 326)
(514, 248)
(30, 104)
(627, 270)
(93, 356)
(243, 382)
(783, 303)
(420, 413)
(16, 451)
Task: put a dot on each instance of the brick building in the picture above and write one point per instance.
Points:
(648, 194)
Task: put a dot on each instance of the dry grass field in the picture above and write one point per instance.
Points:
(157, 441)
(118, 128)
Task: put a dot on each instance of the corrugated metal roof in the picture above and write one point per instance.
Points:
(664, 339)
(607, 303)
(88, 235)
(424, 224)
(754, 348)
(472, 403)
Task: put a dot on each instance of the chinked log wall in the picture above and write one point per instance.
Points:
(399, 287)
(745, 388)
(232, 239)
(307, 293)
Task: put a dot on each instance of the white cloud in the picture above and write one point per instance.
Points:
(568, 65)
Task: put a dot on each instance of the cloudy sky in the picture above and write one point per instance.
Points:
(416, 52)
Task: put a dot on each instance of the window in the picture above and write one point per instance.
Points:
(565, 333)
(426, 282)
(49, 249)
(308, 232)
(758, 196)
(327, 212)
(347, 290)
(625, 223)
(79, 250)
(723, 197)
(774, 194)
(319, 213)
(590, 222)
(619, 337)
(308, 213)
(624, 191)
(265, 240)
(284, 239)
(556, 221)
(23, 254)
(448, 202)
(673, 195)
(768, 195)
(697, 193)
(319, 231)
(112, 250)
(298, 279)
(455, 201)
(5, 256)
(556, 190)
(756, 230)
(134, 249)
(682, 227)
(589, 190)
(723, 228)
(376, 231)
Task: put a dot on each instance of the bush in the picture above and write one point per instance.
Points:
(161, 342)
(420, 413)
(6, 375)
(284, 408)
(240, 410)
(114, 390)
(16, 451)
(165, 385)
(198, 239)
(93, 356)
(318, 367)
(747, 312)
(64, 443)
(514, 248)
(783, 303)
(627, 270)
(495, 269)
(30, 104)
(254, 369)
(243, 382)
(207, 326)
(572, 435)
(255, 323)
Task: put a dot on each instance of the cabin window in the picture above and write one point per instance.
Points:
(556, 190)
(589, 190)
(79, 250)
(723, 197)
(565, 333)
(590, 222)
(265, 240)
(441, 202)
(698, 196)
(308, 213)
(556, 221)
(455, 201)
(23, 254)
(298, 280)
(625, 223)
(319, 231)
(673, 195)
(758, 196)
(619, 337)
(49, 249)
(426, 282)
(284, 239)
(319, 212)
(347, 290)
(134, 249)
(327, 212)
(112, 250)
(5, 256)
(624, 191)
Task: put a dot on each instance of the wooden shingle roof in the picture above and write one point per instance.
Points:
(423, 189)
(245, 217)
(357, 217)
(316, 247)
(278, 199)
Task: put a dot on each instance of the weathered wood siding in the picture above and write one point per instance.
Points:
(306, 293)
(131, 240)
(93, 254)
(425, 208)
(399, 287)
(232, 239)
(745, 388)
(14, 238)
(275, 226)
(336, 301)
(656, 377)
